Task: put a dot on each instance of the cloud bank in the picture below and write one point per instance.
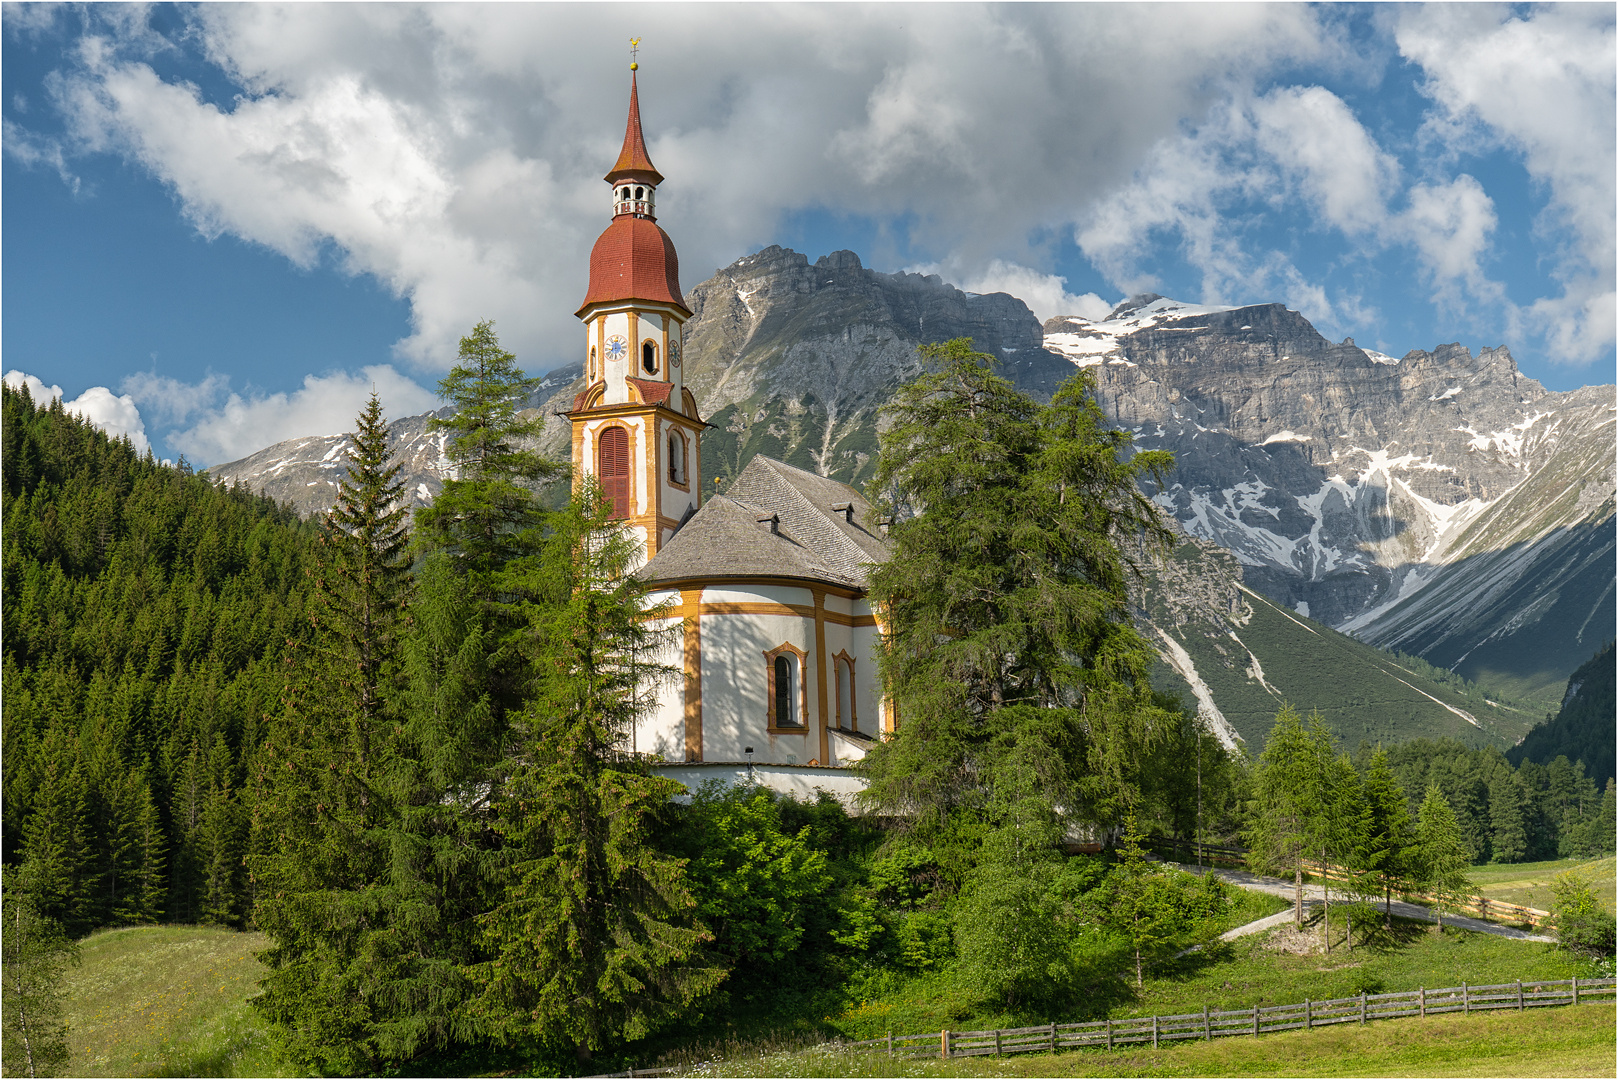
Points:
(213, 425)
(454, 152)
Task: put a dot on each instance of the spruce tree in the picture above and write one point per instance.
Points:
(326, 799)
(594, 940)
(1019, 680)
(1442, 852)
(55, 838)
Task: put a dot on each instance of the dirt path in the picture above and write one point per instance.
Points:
(1315, 894)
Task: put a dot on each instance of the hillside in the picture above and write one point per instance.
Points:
(1238, 655)
(1586, 727)
(147, 614)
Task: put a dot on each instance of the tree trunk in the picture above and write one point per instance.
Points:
(1297, 892)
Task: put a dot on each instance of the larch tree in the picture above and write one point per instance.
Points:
(594, 940)
(1442, 852)
(1386, 843)
(1286, 801)
(1019, 681)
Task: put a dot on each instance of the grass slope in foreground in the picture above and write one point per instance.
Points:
(168, 1001)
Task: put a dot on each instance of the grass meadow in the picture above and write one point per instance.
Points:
(167, 1001)
(1529, 884)
(1571, 1041)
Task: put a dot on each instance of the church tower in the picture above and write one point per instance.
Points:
(635, 426)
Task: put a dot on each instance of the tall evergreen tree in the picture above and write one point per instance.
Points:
(1018, 678)
(594, 940)
(1286, 801)
(1442, 852)
(326, 800)
(1386, 845)
(55, 837)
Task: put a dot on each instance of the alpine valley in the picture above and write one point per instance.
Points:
(1333, 499)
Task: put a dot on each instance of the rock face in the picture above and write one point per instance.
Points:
(1442, 504)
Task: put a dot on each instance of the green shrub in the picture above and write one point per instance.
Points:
(1583, 924)
(1014, 949)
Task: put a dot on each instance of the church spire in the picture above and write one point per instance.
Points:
(633, 161)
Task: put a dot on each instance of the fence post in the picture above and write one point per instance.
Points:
(996, 1042)
(1519, 995)
(1109, 1033)
(1255, 1021)
(890, 1043)
(1207, 1032)
(1053, 1038)
(1308, 1014)
(1362, 1008)
(945, 1054)
(1154, 1031)
(1466, 998)
(1575, 989)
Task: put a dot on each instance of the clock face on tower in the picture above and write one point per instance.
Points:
(615, 347)
(674, 351)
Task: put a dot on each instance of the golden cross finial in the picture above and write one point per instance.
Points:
(634, 49)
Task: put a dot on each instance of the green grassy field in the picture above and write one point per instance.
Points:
(1529, 884)
(1569, 1041)
(167, 1001)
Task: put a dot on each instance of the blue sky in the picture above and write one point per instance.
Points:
(225, 224)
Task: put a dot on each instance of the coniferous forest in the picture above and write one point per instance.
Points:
(394, 746)
(148, 621)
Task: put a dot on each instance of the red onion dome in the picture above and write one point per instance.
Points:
(634, 260)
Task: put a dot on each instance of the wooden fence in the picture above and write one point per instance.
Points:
(1214, 1024)
(1478, 906)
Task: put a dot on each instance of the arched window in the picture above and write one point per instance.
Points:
(624, 194)
(784, 670)
(847, 712)
(677, 460)
(640, 193)
(612, 467)
(788, 704)
(592, 363)
(648, 356)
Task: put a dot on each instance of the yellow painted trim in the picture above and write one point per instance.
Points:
(691, 613)
(820, 673)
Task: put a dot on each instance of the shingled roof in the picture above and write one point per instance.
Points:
(733, 534)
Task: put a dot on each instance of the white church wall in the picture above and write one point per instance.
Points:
(662, 730)
(753, 594)
(735, 683)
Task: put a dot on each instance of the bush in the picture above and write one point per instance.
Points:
(1583, 924)
(1013, 947)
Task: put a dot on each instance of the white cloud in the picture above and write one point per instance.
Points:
(116, 415)
(1045, 294)
(1542, 85)
(225, 426)
(1292, 146)
(455, 152)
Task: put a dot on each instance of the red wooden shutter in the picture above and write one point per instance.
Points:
(614, 469)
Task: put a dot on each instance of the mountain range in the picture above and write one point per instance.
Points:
(1440, 504)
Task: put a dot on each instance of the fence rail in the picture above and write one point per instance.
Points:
(1258, 1020)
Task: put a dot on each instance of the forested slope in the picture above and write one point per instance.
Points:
(1585, 728)
(146, 617)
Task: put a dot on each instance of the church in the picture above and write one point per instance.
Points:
(776, 641)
